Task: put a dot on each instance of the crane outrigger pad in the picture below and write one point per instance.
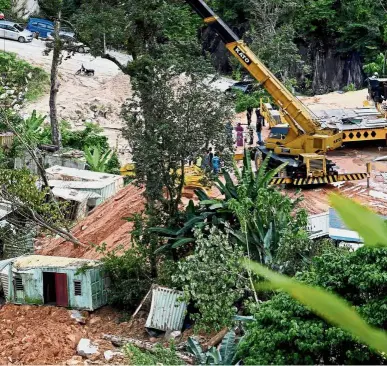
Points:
(319, 180)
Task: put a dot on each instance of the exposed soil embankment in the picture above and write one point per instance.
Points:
(106, 224)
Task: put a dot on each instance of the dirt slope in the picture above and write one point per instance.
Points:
(46, 335)
(104, 225)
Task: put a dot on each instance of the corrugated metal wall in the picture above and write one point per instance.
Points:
(98, 288)
(105, 192)
(4, 284)
(167, 311)
(318, 225)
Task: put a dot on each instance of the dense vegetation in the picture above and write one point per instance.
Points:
(315, 45)
(285, 332)
(287, 35)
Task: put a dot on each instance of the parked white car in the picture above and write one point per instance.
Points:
(11, 30)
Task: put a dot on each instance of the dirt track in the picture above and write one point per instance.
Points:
(82, 99)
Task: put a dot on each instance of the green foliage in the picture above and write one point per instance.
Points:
(168, 124)
(31, 129)
(17, 74)
(97, 161)
(110, 17)
(285, 332)
(378, 65)
(181, 234)
(20, 189)
(50, 8)
(349, 87)
(90, 136)
(244, 101)
(147, 25)
(130, 277)
(159, 355)
(222, 356)
(5, 5)
(257, 215)
(213, 278)
(90, 140)
(271, 226)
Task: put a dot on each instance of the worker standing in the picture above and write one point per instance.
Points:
(206, 163)
(259, 116)
(259, 131)
(239, 131)
(258, 158)
(249, 115)
(210, 156)
(251, 133)
(216, 163)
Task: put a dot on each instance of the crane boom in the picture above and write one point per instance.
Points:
(296, 114)
(302, 139)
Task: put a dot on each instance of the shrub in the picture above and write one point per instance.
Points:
(285, 332)
(90, 137)
(213, 278)
(20, 73)
(349, 87)
(244, 101)
(129, 275)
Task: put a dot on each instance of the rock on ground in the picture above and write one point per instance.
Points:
(86, 348)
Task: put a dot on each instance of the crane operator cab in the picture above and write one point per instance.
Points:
(377, 92)
(279, 132)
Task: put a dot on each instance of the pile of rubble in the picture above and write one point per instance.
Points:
(49, 335)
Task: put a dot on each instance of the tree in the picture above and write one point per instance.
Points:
(213, 278)
(138, 28)
(169, 121)
(273, 36)
(21, 193)
(285, 332)
(54, 8)
(378, 65)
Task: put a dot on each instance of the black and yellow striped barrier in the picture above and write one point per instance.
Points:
(319, 180)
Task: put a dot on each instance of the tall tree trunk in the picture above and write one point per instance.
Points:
(55, 131)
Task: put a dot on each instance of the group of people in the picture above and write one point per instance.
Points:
(250, 128)
(211, 162)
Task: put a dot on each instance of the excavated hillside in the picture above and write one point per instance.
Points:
(106, 224)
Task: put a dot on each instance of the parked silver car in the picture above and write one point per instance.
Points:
(72, 43)
(11, 30)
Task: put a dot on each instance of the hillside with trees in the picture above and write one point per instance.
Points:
(315, 45)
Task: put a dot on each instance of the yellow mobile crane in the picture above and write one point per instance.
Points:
(301, 142)
(377, 92)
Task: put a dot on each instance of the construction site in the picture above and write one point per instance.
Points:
(144, 200)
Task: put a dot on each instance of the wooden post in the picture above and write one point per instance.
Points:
(368, 174)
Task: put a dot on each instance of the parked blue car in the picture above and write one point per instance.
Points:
(40, 27)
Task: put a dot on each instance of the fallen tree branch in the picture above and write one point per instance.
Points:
(216, 339)
(148, 346)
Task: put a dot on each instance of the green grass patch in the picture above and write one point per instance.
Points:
(38, 85)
